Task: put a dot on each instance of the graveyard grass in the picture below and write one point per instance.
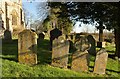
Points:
(11, 67)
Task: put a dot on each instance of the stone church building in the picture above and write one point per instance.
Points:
(11, 15)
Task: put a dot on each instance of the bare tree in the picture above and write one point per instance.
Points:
(28, 17)
(43, 10)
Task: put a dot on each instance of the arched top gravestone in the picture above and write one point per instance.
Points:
(7, 35)
(92, 42)
(27, 47)
(55, 33)
(41, 36)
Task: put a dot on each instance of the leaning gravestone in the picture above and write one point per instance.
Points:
(7, 35)
(101, 62)
(60, 50)
(27, 47)
(80, 59)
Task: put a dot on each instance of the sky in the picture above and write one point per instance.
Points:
(31, 7)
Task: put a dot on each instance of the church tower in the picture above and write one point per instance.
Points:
(13, 16)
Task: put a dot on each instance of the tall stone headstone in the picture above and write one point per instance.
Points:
(41, 36)
(27, 47)
(92, 42)
(80, 58)
(7, 35)
(101, 62)
(55, 33)
(60, 50)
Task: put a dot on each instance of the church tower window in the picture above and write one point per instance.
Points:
(14, 17)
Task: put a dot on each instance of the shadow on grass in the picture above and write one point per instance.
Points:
(111, 51)
(113, 71)
(111, 56)
(44, 53)
(10, 51)
(91, 68)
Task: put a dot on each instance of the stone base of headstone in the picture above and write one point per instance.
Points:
(80, 61)
(101, 62)
(60, 54)
(28, 58)
(101, 44)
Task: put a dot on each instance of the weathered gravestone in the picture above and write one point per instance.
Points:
(55, 33)
(101, 62)
(80, 59)
(27, 47)
(7, 35)
(41, 36)
(60, 50)
(92, 42)
(81, 43)
(72, 36)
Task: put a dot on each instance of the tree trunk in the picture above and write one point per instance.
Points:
(100, 35)
(101, 27)
(117, 42)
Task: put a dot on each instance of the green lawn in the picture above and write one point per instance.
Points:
(11, 67)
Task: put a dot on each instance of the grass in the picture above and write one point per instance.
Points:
(11, 67)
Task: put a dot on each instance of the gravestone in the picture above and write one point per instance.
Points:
(80, 58)
(27, 47)
(80, 61)
(55, 33)
(101, 62)
(41, 36)
(60, 50)
(81, 43)
(7, 35)
(92, 42)
(72, 37)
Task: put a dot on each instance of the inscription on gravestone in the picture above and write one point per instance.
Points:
(80, 59)
(101, 62)
(27, 47)
(60, 50)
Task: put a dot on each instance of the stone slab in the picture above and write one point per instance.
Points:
(101, 62)
(27, 47)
